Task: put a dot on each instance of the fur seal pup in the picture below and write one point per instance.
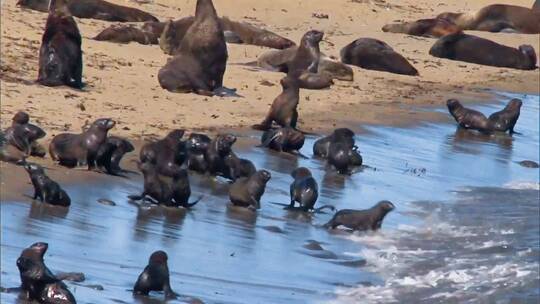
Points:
(283, 140)
(9, 153)
(284, 108)
(37, 281)
(373, 54)
(322, 145)
(361, 220)
(190, 70)
(126, 34)
(506, 119)
(165, 153)
(342, 156)
(247, 191)
(468, 118)
(72, 150)
(60, 56)
(155, 276)
(498, 18)
(304, 190)
(468, 48)
(111, 152)
(23, 135)
(238, 167)
(47, 190)
(95, 9)
(197, 145)
(432, 28)
(220, 148)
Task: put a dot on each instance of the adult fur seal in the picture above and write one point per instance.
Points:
(321, 146)
(197, 146)
(165, 153)
(247, 191)
(126, 34)
(468, 118)
(190, 70)
(361, 220)
(47, 190)
(94, 9)
(373, 54)
(111, 152)
(155, 276)
(283, 140)
(284, 108)
(468, 48)
(60, 56)
(23, 135)
(76, 149)
(433, 28)
(37, 281)
(497, 18)
(506, 119)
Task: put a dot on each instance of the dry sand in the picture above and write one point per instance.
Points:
(121, 79)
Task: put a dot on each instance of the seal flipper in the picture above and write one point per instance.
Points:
(189, 205)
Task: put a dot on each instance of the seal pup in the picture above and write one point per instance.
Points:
(373, 54)
(166, 152)
(304, 190)
(283, 140)
(111, 152)
(361, 220)
(189, 70)
(9, 153)
(37, 281)
(468, 118)
(321, 146)
(284, 108)
(506, 119)
(71, 150)
(60, 56)
(432, 28)
(238, 167)
(220, 148)
(197, 145)
(247, 191)
(126, 34)
(155, 277)
(342, 156)
(24, 135)
(47, 190)
(468, 48)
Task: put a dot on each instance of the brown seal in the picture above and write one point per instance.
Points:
(190, 70)
(322, 145)
(60, 56)
(468, 48)
(283, 140)
(506, 119)
(111, 152)
(343, 156)
(361, 220)
(47, 190)
(284, 108)
(247, 191)
(166, 153)
(197, 145)
(155, 277)
(468, 118)
(433, 28)
(23, 135)
(75, 149)
(498, 18)
(94, 9)
(126, 34)
(373, 54)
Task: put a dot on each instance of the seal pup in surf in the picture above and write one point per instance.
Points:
(468, 118)
(155, 276)
(238, 167)
(23, 135)
(506, 119)
(37, 281)
(72, 150)
(361, 220)
(166, 153)
(247, 191)
(222, 161)
(111, 153)
(321, 146)
(343, 156)
(498, 18)
(284, 108)
(94, 9)
(201, 60)
(60, 55)
(468, 48)
(284, 139)
(304, 190)
(373, 54)
(432, 28)
(47, 190)
(197, 145)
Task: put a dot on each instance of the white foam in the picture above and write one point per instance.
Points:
(522, 185)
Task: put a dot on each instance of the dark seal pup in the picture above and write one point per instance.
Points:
(468, 118)
(60, 56)
(433, 28)
(72, 150)
(506, 119)
(23, 135)
(155, 277)
(197, 145)
(247, 191)
(238, 167)
(166, 152)
(343, 156)
(373, 54)
(468, 48)
(95, 9)
(47, 190)
(220, 148)
(321, 146)
(283, 140)
(361, 220)
(284, 108)
(201, 60)
(37, 281)
(126, 34)
(111, 152)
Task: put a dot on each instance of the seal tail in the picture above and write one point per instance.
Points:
(189, 205)
(318, 210)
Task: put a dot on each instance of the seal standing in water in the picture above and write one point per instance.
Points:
(304, 189)
(433, 28)
(467, 118)
(506, 119)
(284, 108)
(39, 283)
(155, 276)
(220, 148)
(111, 152)
(201, 60)
(60, 56)
(468, 48)
(322, 146)
(238, 167)
(47, 190)
(373, 54)
(74, 149)
(247, 191)
(361, 220)
(197, 145)
(283, 140)
(342, 156)
(165, 153)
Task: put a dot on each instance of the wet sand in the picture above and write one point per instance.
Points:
(466, 218)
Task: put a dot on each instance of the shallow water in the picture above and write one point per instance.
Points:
(466, 227)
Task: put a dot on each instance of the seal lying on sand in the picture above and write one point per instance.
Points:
(126, 34)
(468, 48)
(506, 119)
(60, 56)
(94, 9)
(468, 118)
(247, 191)
(373, 54)
(155, 276)
(47, 190)
(361, 220)
(433, 28)
(498, 18)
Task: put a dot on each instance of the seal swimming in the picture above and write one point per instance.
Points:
(361, 220)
